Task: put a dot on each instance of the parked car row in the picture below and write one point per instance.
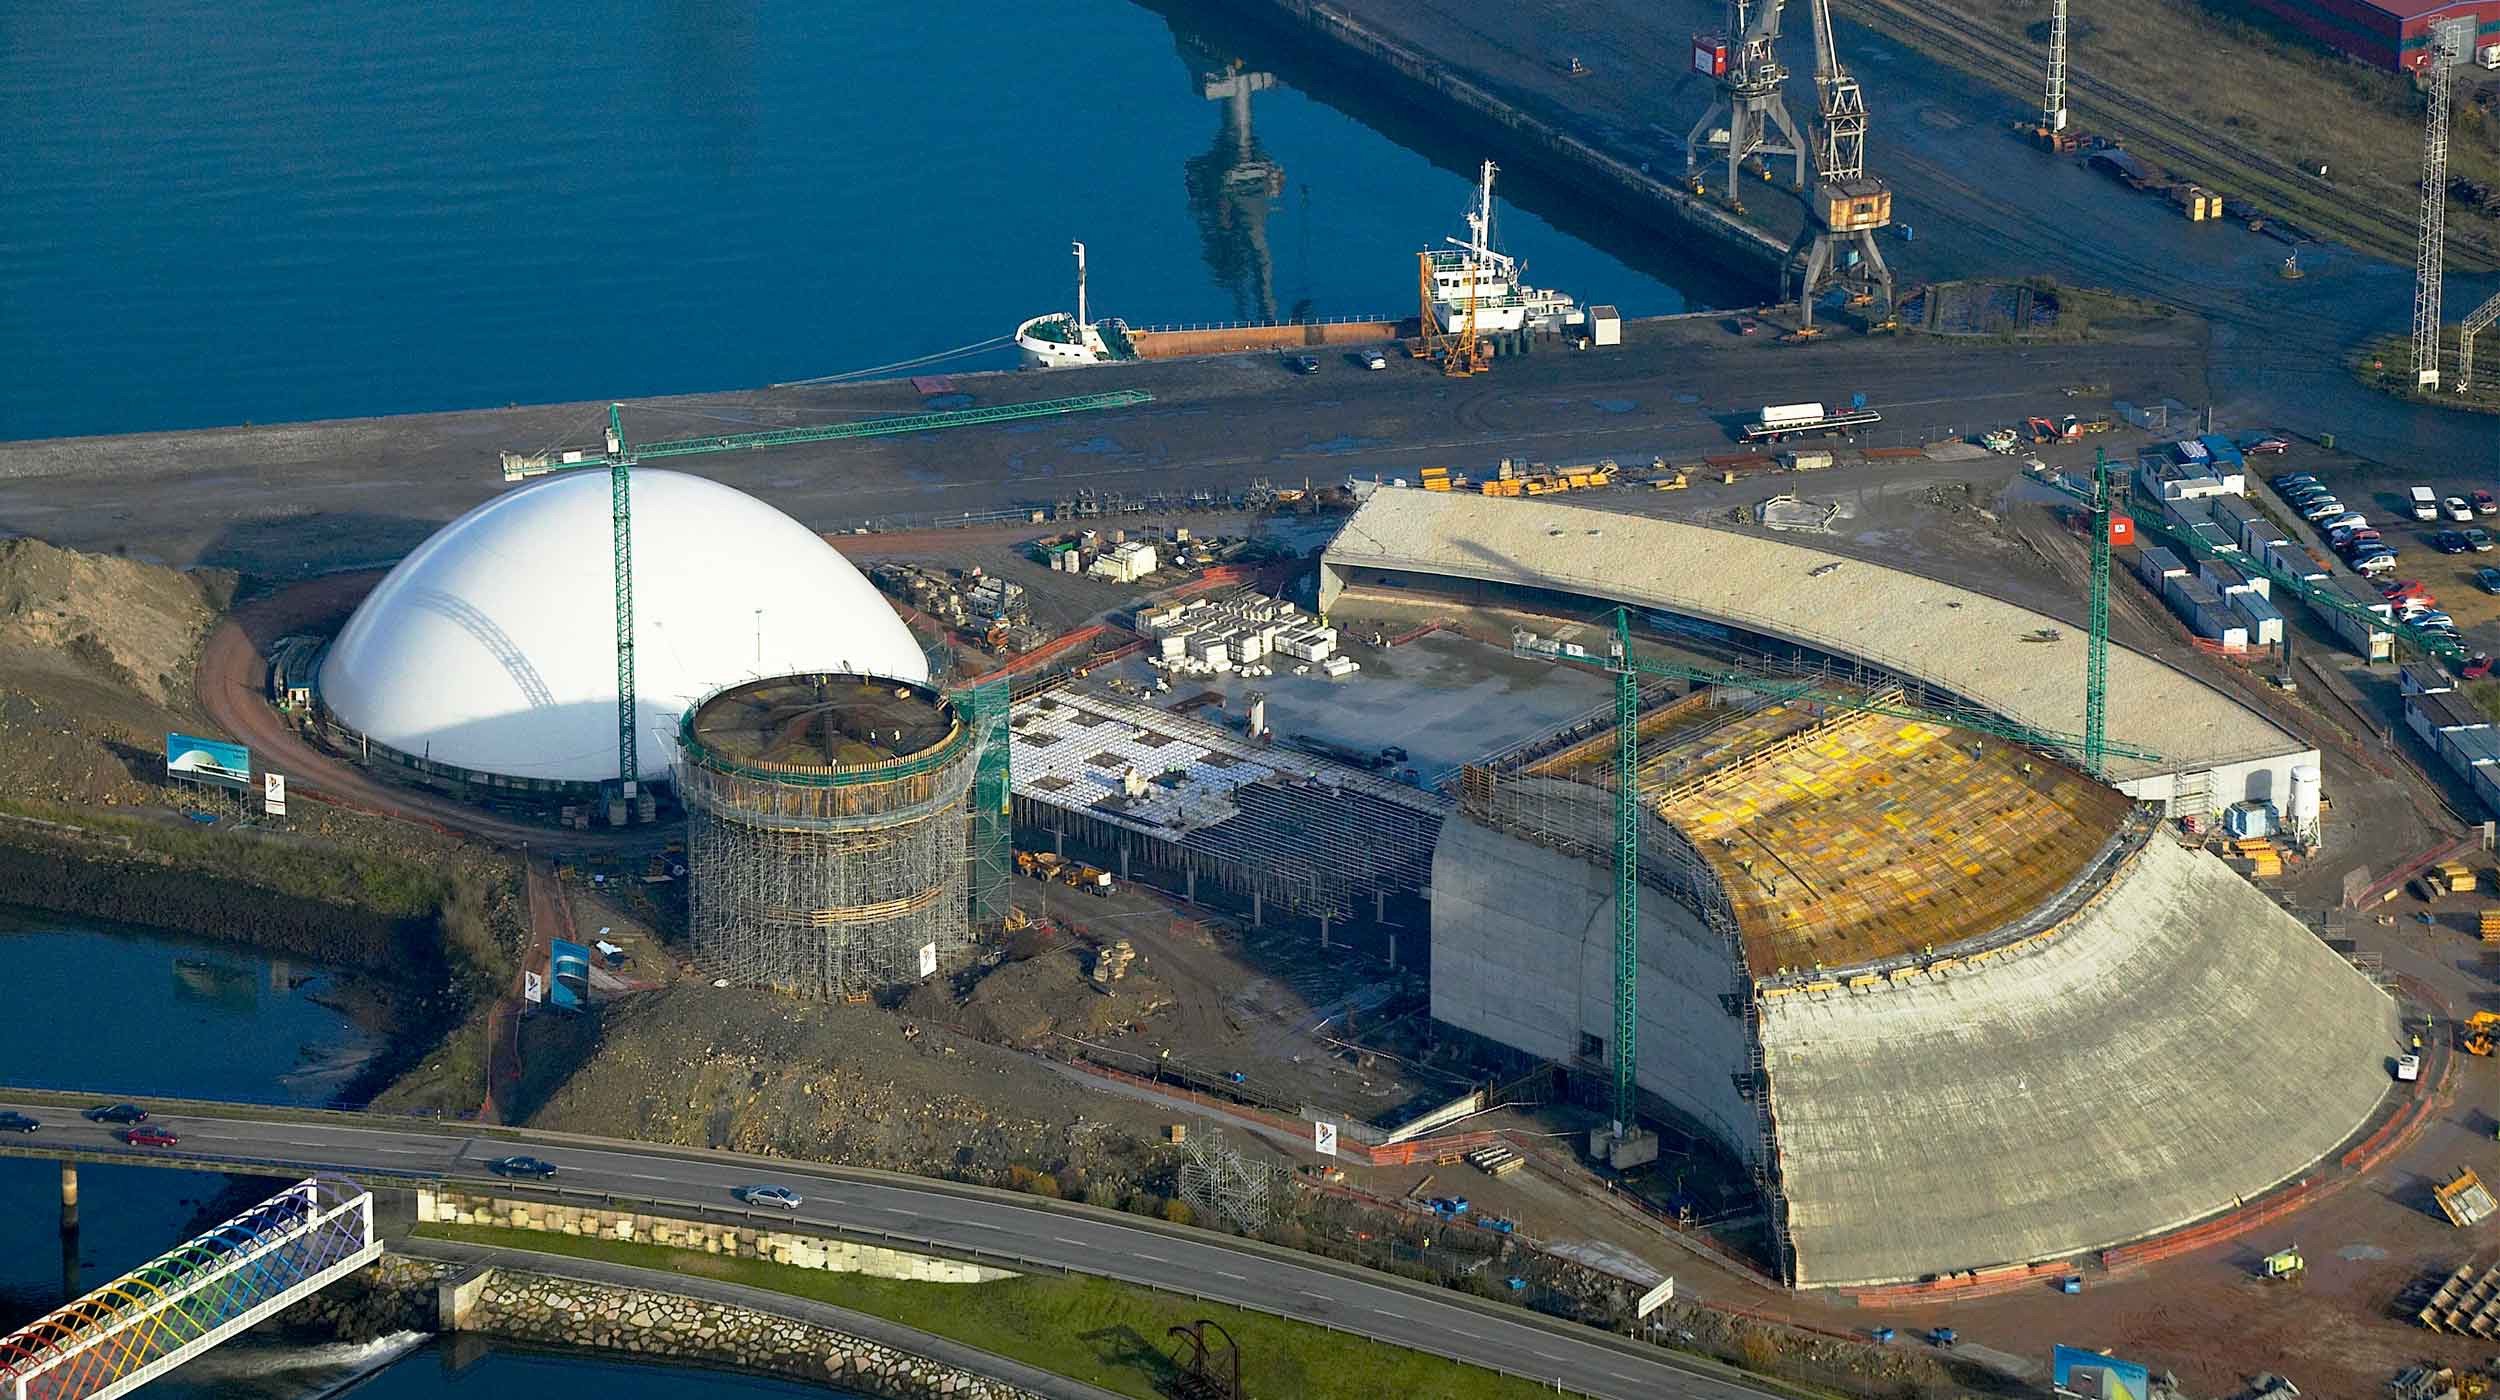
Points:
(2364, 549)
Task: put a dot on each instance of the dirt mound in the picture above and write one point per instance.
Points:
(135, 626)
(1028, 1001)
(750, 1071)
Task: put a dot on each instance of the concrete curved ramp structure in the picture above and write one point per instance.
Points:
(2181, 1045)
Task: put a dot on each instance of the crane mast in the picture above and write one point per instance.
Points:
(1848, 205)
(1744, 62)
(2430, 250)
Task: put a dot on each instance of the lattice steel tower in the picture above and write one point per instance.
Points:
(2053, 102)
(2430, 253)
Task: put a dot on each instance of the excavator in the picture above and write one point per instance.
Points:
(2482, 1033)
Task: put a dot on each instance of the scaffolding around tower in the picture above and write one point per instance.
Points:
(827, 818)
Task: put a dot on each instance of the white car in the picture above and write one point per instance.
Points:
(2408, 1068)
(2458, 510)
(1373, 359)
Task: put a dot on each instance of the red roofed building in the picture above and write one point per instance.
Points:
(2393, 34)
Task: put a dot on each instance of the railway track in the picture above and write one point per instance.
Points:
(2216, 160)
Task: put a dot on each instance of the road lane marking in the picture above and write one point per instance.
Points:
(979, 1225)
(1237, 1278)
(1065, 1240)
(1384, 1312)
(1309, 1294)
(1154, 1258)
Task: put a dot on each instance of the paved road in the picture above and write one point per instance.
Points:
(963, 1221)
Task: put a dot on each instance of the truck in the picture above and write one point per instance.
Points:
(1780, 421)
(2425, 503)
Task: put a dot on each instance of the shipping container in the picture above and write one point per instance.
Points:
(2225, 452)
(2264, 621)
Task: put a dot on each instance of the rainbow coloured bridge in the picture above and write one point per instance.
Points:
(178, 1305)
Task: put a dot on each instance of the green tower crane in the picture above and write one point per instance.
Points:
(2096, 645)
(621, 526)
(1627, 867)
(619, 458)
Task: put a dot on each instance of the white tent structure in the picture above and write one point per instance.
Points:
(492, 648)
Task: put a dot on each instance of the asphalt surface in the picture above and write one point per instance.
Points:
(953, 1219)
(283, 502)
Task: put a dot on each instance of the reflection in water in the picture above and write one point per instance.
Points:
(218, 984)
(1233, 185)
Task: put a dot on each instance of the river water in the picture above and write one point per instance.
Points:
(206, 1020)
(261, 210)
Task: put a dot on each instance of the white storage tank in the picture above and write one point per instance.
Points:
(2303, 810)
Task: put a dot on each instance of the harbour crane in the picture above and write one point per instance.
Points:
(1627, 669)
(620, 457)
(1742, 60)
(1848, 205)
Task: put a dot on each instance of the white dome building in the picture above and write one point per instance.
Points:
(491, 650)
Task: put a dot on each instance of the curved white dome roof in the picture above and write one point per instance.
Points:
(493, 646)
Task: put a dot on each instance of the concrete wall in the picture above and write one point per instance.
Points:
(802, 1251)
(2183, 1046)
(1523, 954)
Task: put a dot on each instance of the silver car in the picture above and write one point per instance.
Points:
(778, 1197)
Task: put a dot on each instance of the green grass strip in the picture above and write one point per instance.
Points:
(1094, 1330)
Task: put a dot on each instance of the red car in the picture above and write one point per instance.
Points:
(149, 1136)
(2267, 444)
(2484, 504)
(2476, 667)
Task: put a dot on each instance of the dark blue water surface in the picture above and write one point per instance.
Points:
(152, 1014)
(261, 211)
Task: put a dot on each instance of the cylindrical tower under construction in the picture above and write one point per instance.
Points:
(825, 833)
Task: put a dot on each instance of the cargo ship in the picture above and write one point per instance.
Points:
(1059, 340)
(1471, 274)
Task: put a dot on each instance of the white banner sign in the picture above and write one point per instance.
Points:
(928, 959)
(533, 987)
(1657, 1297)
(273, 793)
(1324, 1139)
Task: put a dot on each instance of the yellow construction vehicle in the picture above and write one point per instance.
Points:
(2482, 1033)
(2282, 1266)
(1041, 865)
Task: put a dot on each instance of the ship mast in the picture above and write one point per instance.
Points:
(1481, 222)
(1080, 286)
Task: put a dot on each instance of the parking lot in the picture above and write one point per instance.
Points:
(2446, 554)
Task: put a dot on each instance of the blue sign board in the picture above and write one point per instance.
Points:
(568, 975)
(192, 759)
(2098, 1377)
